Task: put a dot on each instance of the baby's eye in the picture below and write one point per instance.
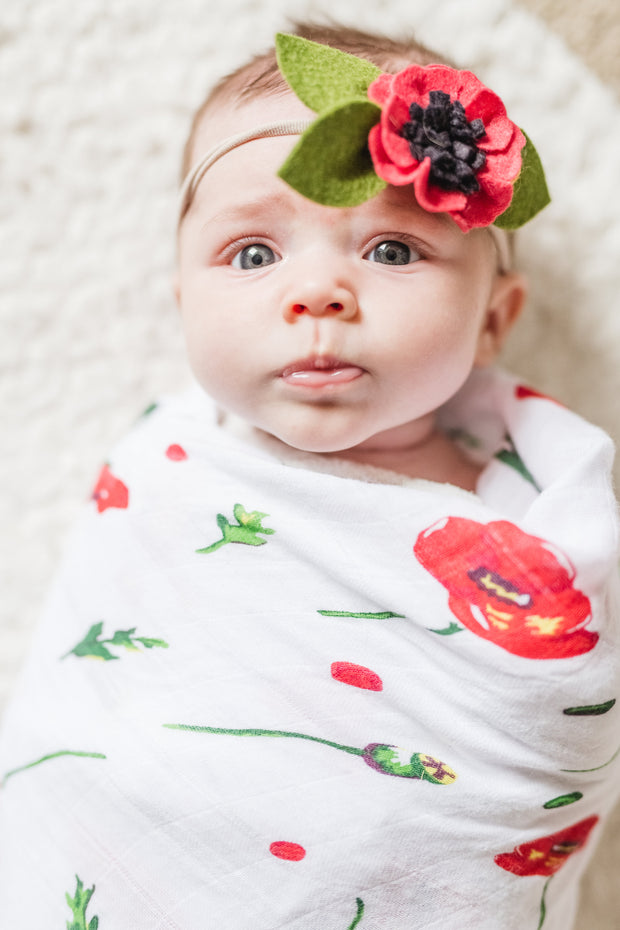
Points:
(253, 256)
(392, 252)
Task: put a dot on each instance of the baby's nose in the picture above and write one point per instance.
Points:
(317, 301)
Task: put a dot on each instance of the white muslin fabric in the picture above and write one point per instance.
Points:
(274, 692)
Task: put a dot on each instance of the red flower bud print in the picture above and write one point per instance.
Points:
(282, 849)
(357, 675)
(176, 453)
(510, 588)
(110, 491)
(549, 853)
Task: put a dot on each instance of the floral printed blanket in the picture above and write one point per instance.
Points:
(265, 695)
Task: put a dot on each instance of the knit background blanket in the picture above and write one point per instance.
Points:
(95, 106)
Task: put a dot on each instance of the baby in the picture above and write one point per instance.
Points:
(300, 737)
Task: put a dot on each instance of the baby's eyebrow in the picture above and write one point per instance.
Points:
(438, 219)
(251, 209)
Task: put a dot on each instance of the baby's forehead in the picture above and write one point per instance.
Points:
(226, 118)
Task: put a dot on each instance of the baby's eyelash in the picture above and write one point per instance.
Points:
(416, 245)
(235, 244)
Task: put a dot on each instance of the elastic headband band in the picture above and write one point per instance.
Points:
(292, 128)
(191, 182)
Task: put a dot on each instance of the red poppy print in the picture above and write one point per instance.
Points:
(110, 491)
(357, 675)
(176, 453)
(510, 588)
(282, 849)
(548, 854)
(447, 134)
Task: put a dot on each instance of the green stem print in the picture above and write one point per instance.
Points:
(382, 757)
(78, 905)
(543, 904)
(509, 456)
(380, 615)
(244, 531)
(95, 647)
(596, 768)
(52, 755)
(359, 914)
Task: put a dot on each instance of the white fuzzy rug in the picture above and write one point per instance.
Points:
(96, 101)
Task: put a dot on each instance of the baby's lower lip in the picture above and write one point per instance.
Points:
(322, 377)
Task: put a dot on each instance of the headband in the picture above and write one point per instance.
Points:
(191, 182)
(438, 129)
(291, 128)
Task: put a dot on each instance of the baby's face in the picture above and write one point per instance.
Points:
(328, 328)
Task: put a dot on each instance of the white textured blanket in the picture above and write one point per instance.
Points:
(317, 700)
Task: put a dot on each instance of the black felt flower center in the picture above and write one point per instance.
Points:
(442, 133)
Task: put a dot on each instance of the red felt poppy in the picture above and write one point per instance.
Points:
(110, 491)
(549, 853)
(485, 147)
(510, 588)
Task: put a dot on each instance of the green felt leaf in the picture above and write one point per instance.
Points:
(530, 191)
(331, 163)
(322, 77)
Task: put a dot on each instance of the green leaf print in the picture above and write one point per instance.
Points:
(448, 630)
(361, 615)
(78, 905)
(245, 531)
(590, 710)
(563, 800)
(96, 648)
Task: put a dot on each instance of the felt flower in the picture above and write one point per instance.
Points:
(110, 491)
(510, 588)
(434, 127)
(447, 134)
(545, 856)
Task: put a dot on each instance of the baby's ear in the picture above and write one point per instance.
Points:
(176, 288)
(505, 304)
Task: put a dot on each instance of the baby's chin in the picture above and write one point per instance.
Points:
(315, 443)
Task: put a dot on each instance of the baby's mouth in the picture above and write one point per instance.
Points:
(320, 371)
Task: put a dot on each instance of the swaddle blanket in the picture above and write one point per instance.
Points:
(268, 695)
